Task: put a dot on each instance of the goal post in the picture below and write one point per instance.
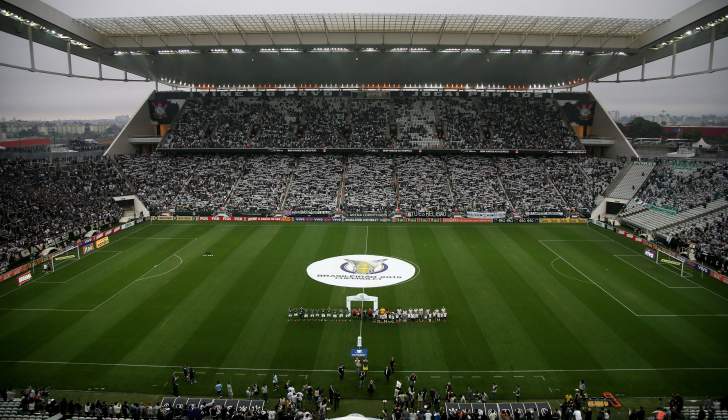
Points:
(670, 262)
(64, 257)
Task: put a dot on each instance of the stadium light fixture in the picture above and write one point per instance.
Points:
(410, 50)
(331, 50)
(574, 52)
(523, 51)
(182, 51)
(51, 32)
(237, 51)
(369, 50)
(450, 50)
(219, 51)
(501, 51)
(471, 51)
(690, 32)
(553, 52)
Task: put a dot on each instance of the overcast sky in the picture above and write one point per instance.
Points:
(36, 96)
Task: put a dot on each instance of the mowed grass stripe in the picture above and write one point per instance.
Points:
(152, 300)
(259, 330)
(383, 341)
(251, 328)
(463, 338)
(210, 338)
(179, 312)
(419, 344)
(477, 275)
(613, 316)
(48, 325)
(337, 337)
(109, 321)
(302, 341)
(184, 311)
(536, 307)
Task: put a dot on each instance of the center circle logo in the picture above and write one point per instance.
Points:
(361, 271)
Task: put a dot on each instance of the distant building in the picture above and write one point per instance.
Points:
(710, 131)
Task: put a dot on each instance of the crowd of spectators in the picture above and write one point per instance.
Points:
(680, 187)
(525, 123)
(708, 235)
(259, 190)
(50, 203)
(370, 123)
(476, 186)
(315, 185)
(528, 187)
(460, 123)
(370, 185)
(366, 184)
(415, 120)
(383, 122)
(424, 186)
(158, 180)
(208, 187)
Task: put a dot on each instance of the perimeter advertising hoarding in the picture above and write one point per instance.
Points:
(24, 278)
(100, 243)
(563, 220)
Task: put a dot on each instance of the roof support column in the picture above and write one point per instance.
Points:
(101, 74)
(30, 48)
(644, 62)
(712, 49)
(674, 56)
(68, 56)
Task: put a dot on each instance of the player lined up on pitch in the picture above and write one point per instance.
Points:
(382, 315)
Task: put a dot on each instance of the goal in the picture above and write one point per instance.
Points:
(673, 263)
(62, 258)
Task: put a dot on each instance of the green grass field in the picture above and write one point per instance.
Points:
(535, 305)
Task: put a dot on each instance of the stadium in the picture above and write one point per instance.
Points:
(364, 215)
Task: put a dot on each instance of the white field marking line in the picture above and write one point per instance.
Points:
(140, 278)
(32, 281)
(697, 284)
(564, 275)
(361, 311)
(181, 261)
(644, 272)
(573, 240)
(631, 250)
(78, 274)
(45, 310)
(589, 278)
(161, 237)
(681, 315)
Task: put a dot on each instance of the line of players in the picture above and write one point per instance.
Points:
(382, 315)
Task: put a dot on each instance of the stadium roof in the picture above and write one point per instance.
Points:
(238, 49)
(307, 29)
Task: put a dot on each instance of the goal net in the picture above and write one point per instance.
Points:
(63, 258)
(674, 264)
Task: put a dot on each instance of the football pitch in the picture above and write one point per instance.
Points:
(541, 306)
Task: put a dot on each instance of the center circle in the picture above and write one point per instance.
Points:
(361, 271)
